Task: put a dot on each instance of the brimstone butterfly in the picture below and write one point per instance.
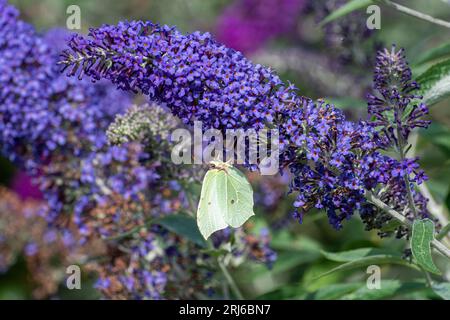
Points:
(226, 199)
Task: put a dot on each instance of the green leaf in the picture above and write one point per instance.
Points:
(352, 255)
(422, 235)
(226, 199)
(184, 226)
(439, 135)
(289, 261)
(442, 290)
(13, 292)
(439, 52)
(334, 291)
(388, 289)
(435, 83)
(284, 241)
(347, 8)
(284, 293)
(367, 261)
(216, 253)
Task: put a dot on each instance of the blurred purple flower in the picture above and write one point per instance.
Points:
(23, 185)
(247, 25)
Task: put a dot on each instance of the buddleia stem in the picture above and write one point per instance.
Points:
(232, 284)
(445, 230)
(230, 280)
(401, 150)
(416, 14)
(439, 246)
(435, 208)
(427, 278)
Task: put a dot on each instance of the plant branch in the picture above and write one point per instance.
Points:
(445, 230)
(427, 278)
(439, 246)
(401, 144)
(403, 220)
(436, 209)
(230, 280)
(416, 14)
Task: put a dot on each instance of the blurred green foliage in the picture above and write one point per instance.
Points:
(302, 249)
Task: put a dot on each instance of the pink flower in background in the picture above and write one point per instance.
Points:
(248, 24)
(24, 187)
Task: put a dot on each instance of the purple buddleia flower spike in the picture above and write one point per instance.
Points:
(394, 107)
(197, 77)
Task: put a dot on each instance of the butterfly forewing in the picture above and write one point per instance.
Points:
(209, 217)
(237, 200)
